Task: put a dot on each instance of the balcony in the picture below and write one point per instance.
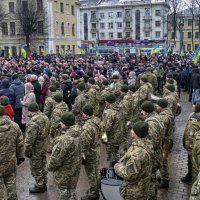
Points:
(94, 30)
(128, 18)
(93, 19)
(128, 29)
(147, 29)
(147, 17)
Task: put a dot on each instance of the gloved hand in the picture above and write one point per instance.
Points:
(20, 161)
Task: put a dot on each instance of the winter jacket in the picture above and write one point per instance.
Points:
(37, 90)
(196, 81)
(44, 90)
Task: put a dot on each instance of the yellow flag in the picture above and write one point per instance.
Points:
(9, 53)
(23, 52)
(42, 51)
(62, 51)
(139, 52)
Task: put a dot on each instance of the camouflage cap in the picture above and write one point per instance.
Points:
(111, 98)
(68, 119)
(163, 103)
(88, 110)
(144, 79)
(141, 129)
(33, 107)
(133, 88)
(124, 88)
(58, 98)
(147, 106)
(2, 111)
(197, 108)
(81, 86)
(5, 101)
(171, 88)
(91, 81)
(52, 88)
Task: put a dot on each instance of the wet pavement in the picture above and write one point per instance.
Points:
(177, 164)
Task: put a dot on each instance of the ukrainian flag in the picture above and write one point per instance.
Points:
(124, 51)
(97, 51)
(9, 53)
(23, 52)
(196, 55)
(155, 50)
(42, 51)
(139, 52)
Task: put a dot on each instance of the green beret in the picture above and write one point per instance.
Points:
(144, 79)
(171, 88)
(5, 101)
(163, 103)
(124, 88)
(133, 88)
(91, 81)
(111, 98)
(105, 82)
(68, 119)
(147, 106)
(88, 110)
(197, 108)
(57, 84)
(58, 98)
(2, 111)
(115, 76)
(33, 107)
(170, 81)
(81, 86)
(170, 75)
(52, 88)
(141, 129)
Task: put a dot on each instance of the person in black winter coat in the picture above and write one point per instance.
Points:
(37, 88)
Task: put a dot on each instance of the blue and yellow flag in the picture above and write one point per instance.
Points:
(9, 53)
(196, 55)
(97, 51)
(62, 51)
(167, 51)
(155, 50)
(182, 51)
(43, 51)
(139, 52)
(23, 52)
(124, 51)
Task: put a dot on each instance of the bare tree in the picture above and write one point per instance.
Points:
(197, 9)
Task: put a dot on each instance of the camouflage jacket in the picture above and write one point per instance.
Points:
(58, 111)
(135, 168)
(65, 160)
(195, 190)
(49, 105)
(172, 102)
(151, 79)
(135, 107)
(144, 92)
(11, 145)
(36, 136)
(91, 137)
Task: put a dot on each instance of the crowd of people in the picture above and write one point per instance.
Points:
(70, 107)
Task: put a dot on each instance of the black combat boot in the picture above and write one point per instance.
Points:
(38, 189)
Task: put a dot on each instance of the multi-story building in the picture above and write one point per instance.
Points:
(133, 23)
(56, 32)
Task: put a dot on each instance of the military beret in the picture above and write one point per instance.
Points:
(170, 81)
(88, 110)
(124, 88)
(144, 79)
(141, 129)
(52, 88)
(147, 106)
(68, 119)
(57, 84)
(105, 82)
(115, 76)
(163, 103)
(133, 88)
(170, 75)
(58, 97)
(111, 98)
(5, 101)
(197, 108)
(171, 88)
(91, 81)
(81, 86)
(2, 111)
(33, 107)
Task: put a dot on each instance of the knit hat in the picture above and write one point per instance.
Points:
(144, 79)
(111, 98)
(88, 110)
(2, 111)
(58, 98)
(163, 103)
(115, 76)
(124, 88)
(81, 86)
(170, 81)
(52, 88)
(141, 129)
(133, 88)
(147, 106)
(5, 101)
(105, 82)
(171, 88)
(68, 119)
(91, 81)
(197, 108)
(33, 107)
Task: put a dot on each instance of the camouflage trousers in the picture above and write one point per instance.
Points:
(153, 187)
(8, 187)
(195, 190)
(38, 171)
(164, 171)
(67, 194)
(112, 152)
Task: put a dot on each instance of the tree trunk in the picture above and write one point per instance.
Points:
(174, 24)
(28, 43)
(192, 32)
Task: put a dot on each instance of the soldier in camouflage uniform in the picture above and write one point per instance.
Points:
(91, 141)
(65, 161)
(116, 85)
(159, 72)
(192, 126)
(11, 152)
(93, 95)
(195, 190)
(36, 147)
(135, 166)
(113, 125)
(80, 101)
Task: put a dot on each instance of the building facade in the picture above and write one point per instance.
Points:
(142, 22)
(56, 32)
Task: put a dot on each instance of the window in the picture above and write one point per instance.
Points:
(110, 14)
(102, 25)
(119, 35)
(102, 16)
(72, 10)
(128, 24)
(102, 35)
(61, 7)
(147, 34)
(172, 35)
(24, 6)
(127, 12)
(4, 29)
(196, 34)
(147, 24)
(110, 25)
(93, 15)
(147, 12)
(197, 22)
(119, 24)
(39, 5)
(94, 25)
(12, 28)
(189, 34)
(128, 34)
(11, 7)
(158, 13)
(110, 35)
(73, 30)
(62, 28)
(157, 34)
(40, 27)
(119, 14)
(157, 23)
(68, 47)
(93, 35)
(189, 47)
(189, 22)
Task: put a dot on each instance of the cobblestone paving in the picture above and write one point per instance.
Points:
(178, 168)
